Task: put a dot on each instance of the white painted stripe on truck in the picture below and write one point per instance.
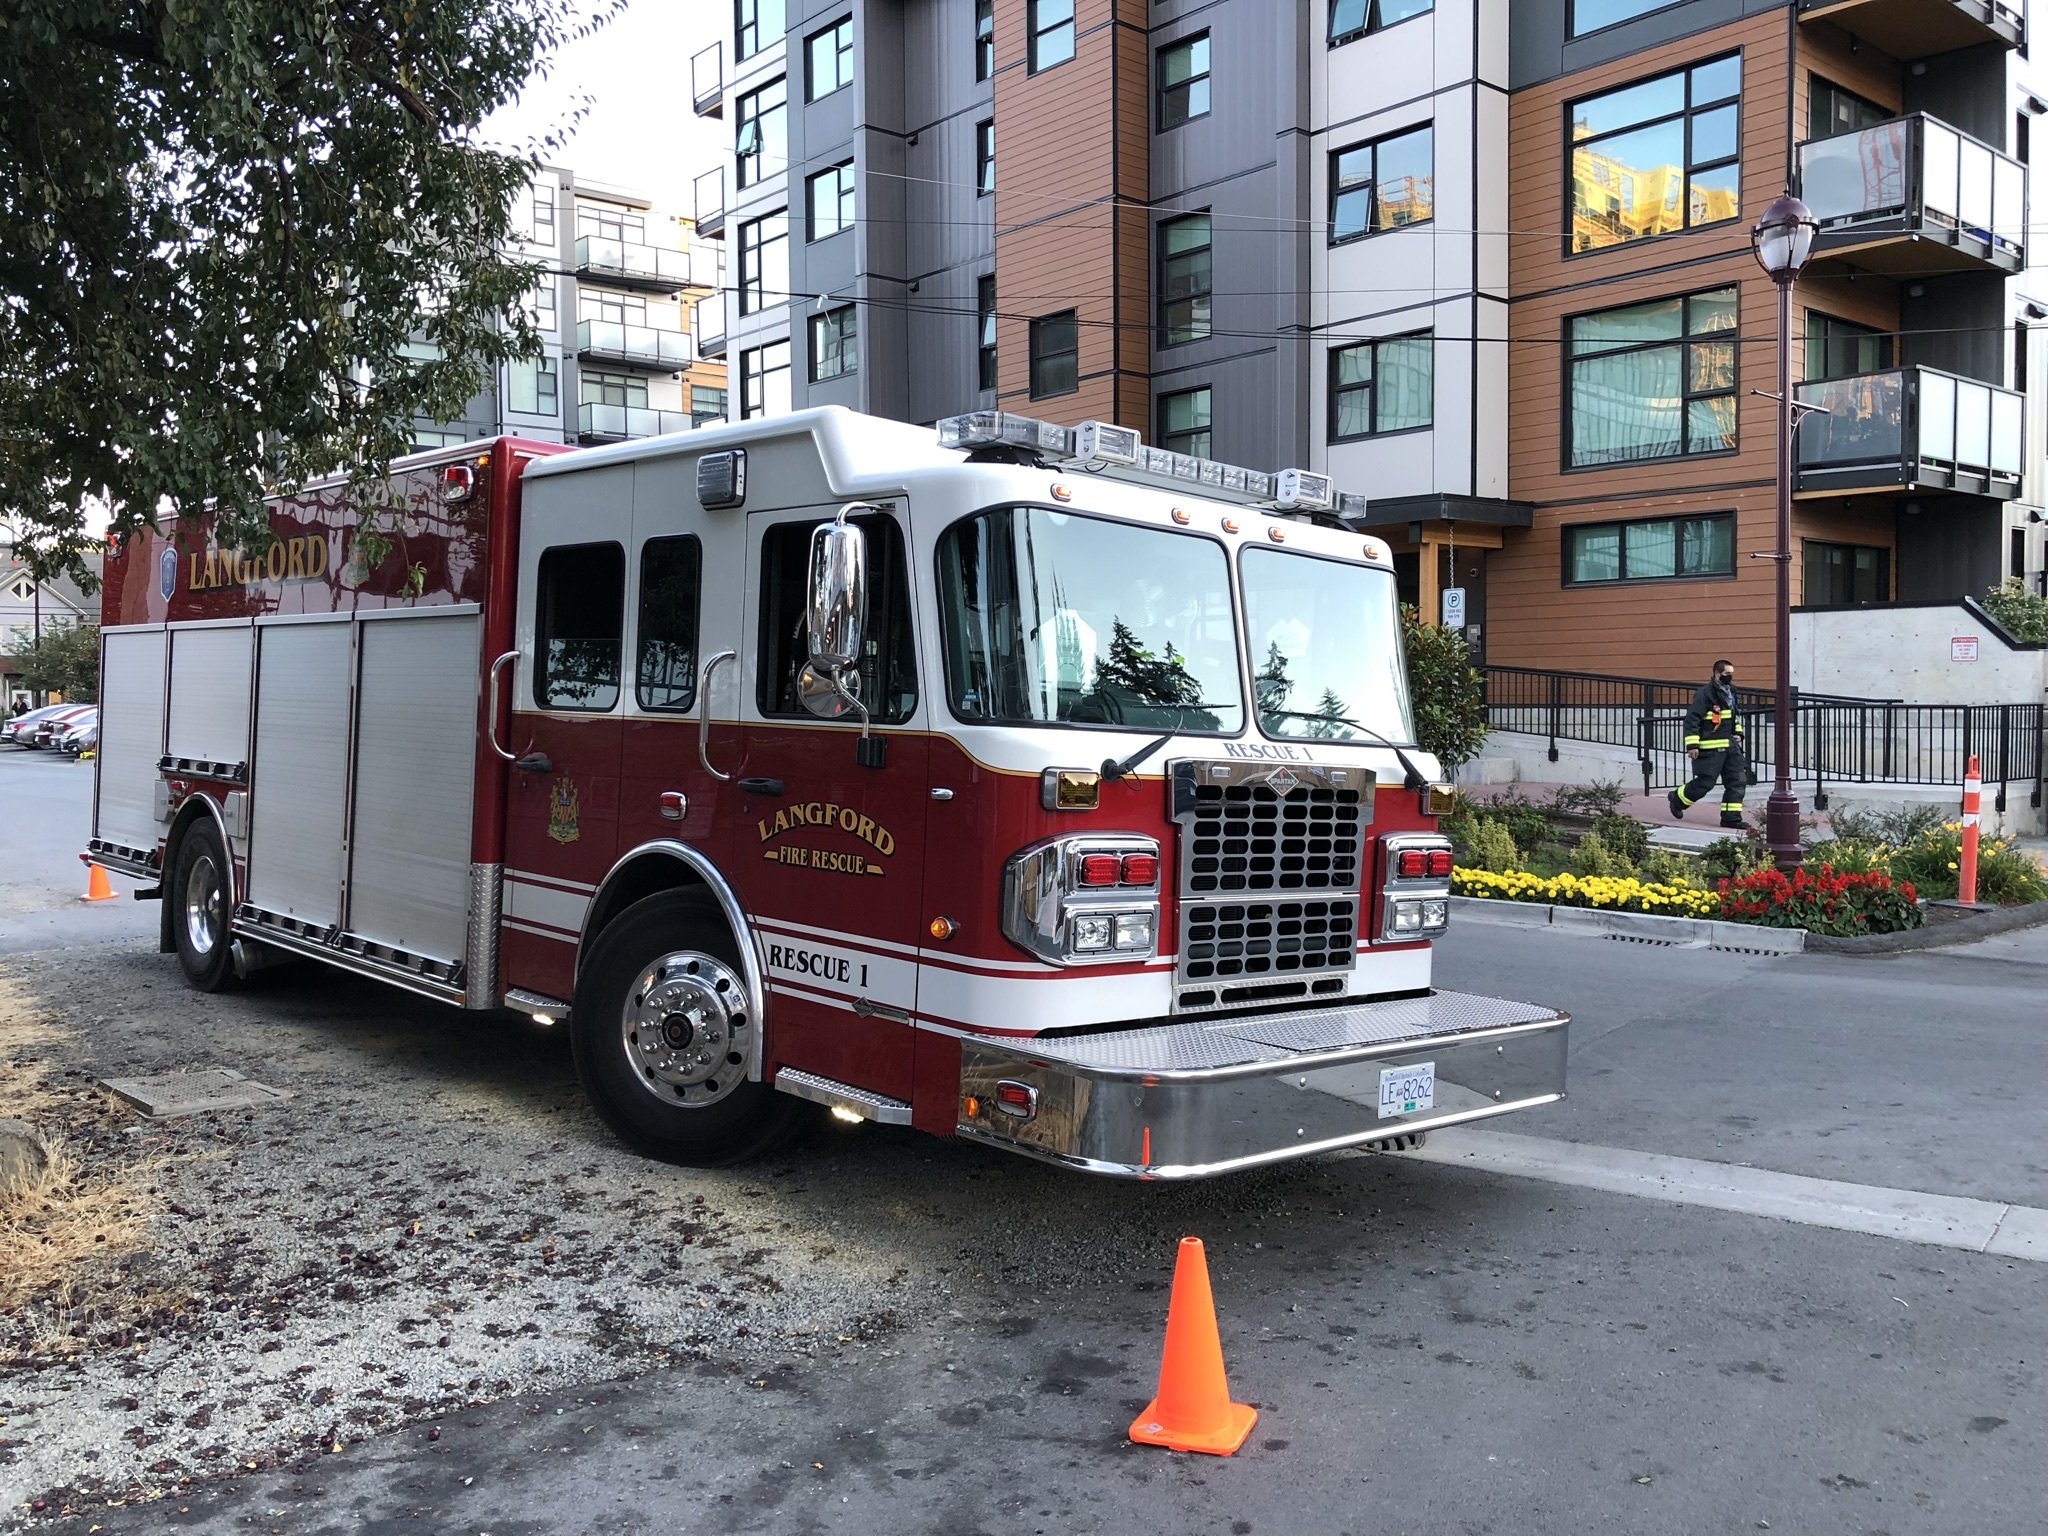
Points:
(545, 904)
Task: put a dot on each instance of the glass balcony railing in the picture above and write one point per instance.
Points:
(710, 190)
(710, 323)
(707, 81)
(636, 346)
(1914, 429)
(1919, 191)
(597, 423)
(1912, 29)
(631, 263)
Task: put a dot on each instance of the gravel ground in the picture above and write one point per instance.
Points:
(435, 1219)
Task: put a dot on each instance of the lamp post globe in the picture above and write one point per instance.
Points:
(1783, 238)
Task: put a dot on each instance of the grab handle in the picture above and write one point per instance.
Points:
(704, 714)
(491, 719)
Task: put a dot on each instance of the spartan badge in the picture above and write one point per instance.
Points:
(562, 810)
(1283, 781)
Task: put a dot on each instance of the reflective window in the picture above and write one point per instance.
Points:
(1351, 19)
(829, 59)
(757, 25)
(1186, 278)
(1052, 33)
(1657, 156)
(829, 195)
(1655, 380)
(1846, 575)
(670, 573)
(707, 405)
(764, 380)
(579, 619)
(1382, 386)
(1183, 81)
(985, 308)
(1839, 348)
(761, 132)
(764, 262)
(886, 678)
(1831, 109)
(1055, 354)
(1060, 618)
(985, 156)
(1592, 15)
(1654, 549)
(984, 38)
(835, 342)
(1325, 642)
(1383, 185)
(1184, 422)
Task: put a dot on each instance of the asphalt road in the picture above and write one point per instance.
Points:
(1431, 1348)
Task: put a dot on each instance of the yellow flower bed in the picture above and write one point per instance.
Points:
(1603, 891)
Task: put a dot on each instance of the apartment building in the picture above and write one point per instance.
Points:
(615, 312)
(1487, 264)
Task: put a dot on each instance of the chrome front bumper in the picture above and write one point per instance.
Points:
(1184, 1101)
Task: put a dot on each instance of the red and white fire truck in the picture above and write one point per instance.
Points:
(1012, 781)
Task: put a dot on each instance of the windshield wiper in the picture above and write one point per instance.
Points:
(1112, 769)
(1415, 779)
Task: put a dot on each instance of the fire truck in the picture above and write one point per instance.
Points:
(1016, 782)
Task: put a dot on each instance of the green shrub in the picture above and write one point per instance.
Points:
(1849, 855)
(1529, 824)
(1894, 828)
(1592, 858)
(1726, 858)
(1666, 866)
(1491, 848)
(2022, 613)
(1446, 691)
(1627, 838)
(1595, 799)
(2005, 875)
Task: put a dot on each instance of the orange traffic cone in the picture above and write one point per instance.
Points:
(96, 886)
(1193, 1411)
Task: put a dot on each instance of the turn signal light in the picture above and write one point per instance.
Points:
(1141, 868)
(1101, 869)
(1018, 1099)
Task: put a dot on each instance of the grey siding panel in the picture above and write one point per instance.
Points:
(300, 780)
(1540, 48)
(1950, 549)
(1961, 324)
(210, 693)
(131, 739)
(1953, 89)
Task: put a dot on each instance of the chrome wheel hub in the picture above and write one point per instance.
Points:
(205, 906)
(687, 1029)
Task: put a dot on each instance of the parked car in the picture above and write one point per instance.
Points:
(80, 736)
(16, 728)
(44, 732)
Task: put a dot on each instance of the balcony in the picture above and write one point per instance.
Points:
(631, 264)
(1911, 429)
(1912, 29)
(710, 190)
(707, 81)
(631, 346)
(618, 423)
(710, 324)
(1913, 195)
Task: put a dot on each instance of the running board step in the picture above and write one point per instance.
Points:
(548, 1010)
(868, 1105)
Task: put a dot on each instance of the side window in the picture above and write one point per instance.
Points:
(888, 667)
(580, 622)
(670, 573)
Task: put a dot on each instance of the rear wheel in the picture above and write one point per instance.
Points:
(663, 1031)
(198, 906)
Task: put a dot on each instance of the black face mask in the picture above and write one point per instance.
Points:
(1725, 679)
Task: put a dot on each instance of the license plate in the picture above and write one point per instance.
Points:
(1404, 1090)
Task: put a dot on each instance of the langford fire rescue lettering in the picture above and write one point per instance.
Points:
(826, 813)
(303, 558)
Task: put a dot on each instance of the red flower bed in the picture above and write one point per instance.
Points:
(1821, 901)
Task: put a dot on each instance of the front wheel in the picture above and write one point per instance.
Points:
(663, 1031)
(199, 904)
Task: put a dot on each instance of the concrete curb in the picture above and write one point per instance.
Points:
(1966, 930)
(1693, 932)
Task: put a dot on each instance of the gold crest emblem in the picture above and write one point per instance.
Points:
(562, 810)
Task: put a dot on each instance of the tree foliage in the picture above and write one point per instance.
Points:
(226, 229)
(1445, 689)
(2024, 614)
(67, 661)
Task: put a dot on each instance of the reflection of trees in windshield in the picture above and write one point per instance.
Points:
(1271, 687)
(1131, 675)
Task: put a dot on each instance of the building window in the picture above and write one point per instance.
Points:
(984, 38)
(580, 619)
(1382, 185)
(1382, 386)
(985, 157)
(1186, 277)
(828, 57)
(830, 197)
(1837, 349)
(540, 304)
(608, 221)
(1055, 354)
(616, 308)
(541, 213)
(759, 24)
(764, 380)
(1653, 381)
(985, 310)
(1183, 81)
(532, 386)
(761, 132)
(835, 343)
(1184, 422)
(706, 405)
(1592, 15)
(1657, 156)
(618, 389)
(1654, 549)
(1830, 110)
(1052, 33)
(1351, 19)
(764, 262)
(1845, 575)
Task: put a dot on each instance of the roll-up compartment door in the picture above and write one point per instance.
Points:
(210, 669)
(131, 738)
(299, 781)
(415, 775)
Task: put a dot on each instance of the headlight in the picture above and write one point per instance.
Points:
(1091, 933)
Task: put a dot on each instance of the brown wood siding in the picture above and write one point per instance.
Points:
(1071, 221)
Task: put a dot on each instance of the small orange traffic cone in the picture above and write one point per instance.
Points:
(1193, 1411)
(96, 886)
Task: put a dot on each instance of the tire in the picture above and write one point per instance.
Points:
(680, 1095)
(199, 906)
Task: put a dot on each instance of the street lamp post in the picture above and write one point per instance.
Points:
(1782, 240)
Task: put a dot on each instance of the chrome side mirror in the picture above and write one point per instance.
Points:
(838, 592)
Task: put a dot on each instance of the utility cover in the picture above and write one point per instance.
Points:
(172, 1094)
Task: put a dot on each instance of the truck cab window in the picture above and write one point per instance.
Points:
(888, 666)
(670, 570)
(579, 610)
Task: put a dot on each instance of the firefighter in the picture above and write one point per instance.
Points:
(1715, 747)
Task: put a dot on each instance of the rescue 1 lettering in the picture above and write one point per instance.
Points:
(826, 813)
(820, 964)
(298, 559)
(1266, 751)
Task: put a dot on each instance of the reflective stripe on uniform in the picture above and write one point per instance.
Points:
(1712, 744)
(1731, 805)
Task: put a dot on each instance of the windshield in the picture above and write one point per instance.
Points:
(1325, 642)
(1058, 618)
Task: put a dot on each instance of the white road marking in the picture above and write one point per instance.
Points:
(1944, 1221)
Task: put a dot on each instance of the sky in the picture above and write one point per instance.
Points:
(632, 80)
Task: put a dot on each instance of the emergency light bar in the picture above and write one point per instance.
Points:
(1004, 429)
(1097, 442)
